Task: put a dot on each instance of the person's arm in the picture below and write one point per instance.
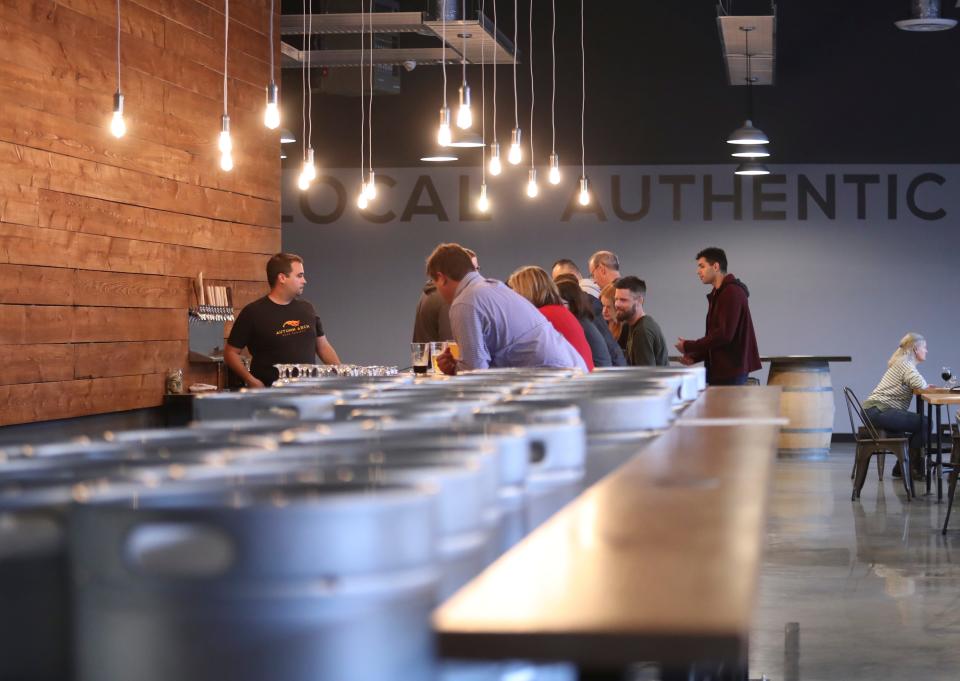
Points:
(723, 325)
(913, 378)
(326, 352)
(467, 330)
(231, 357)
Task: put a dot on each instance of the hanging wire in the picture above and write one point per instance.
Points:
(363, 108)
(226, 38)
(303, 88)
(443, 53)
(271, 38)
(483, 91)
(310, 79)
(370, 115)
(583, 96)
(494, 71)
(118, 45)
(553, 95)
(463, 57)
(533, 96)
(516, 110)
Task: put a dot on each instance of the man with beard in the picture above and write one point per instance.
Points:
(646, 346)
(432, 321)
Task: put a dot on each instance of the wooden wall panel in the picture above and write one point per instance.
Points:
(100, 238)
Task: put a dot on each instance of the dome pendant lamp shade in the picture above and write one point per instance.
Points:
(747, 134)
(751, 168)
(751, 151)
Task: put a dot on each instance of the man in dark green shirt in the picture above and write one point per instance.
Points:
(646, 346)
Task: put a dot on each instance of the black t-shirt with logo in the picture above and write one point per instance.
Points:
(277, 334)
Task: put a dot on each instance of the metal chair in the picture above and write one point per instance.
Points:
(871, 441)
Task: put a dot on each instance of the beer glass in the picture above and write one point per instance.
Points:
(420, 357)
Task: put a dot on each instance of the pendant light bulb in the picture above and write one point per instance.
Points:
(271, 115)
(362, 201)
(515, 155)
(584, 195)
(483, 203)
(443, 132)
(532, 188)
(496, 167)
(226, 161)
(464, 114)
(303, 182)
(118, 127)
(225, 144)
(554, 175)
(370, 188)
(309, 168)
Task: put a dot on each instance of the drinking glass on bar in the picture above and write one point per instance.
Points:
(436, 349)
(420, 357)
(454, 349)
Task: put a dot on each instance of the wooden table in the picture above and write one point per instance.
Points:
(807, 400)
(939, 398)
(721, 404)
(658, 561)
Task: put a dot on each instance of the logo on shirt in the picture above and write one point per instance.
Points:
(292, 326)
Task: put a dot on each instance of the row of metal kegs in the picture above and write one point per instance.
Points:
(301, 532)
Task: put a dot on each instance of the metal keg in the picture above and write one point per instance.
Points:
(264, 403)
(288, 583)
(611, 408)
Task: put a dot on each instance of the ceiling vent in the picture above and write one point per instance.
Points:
(926, 17)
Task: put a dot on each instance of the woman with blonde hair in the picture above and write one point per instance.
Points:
(619, 330)
(534, 284)
(888, 406)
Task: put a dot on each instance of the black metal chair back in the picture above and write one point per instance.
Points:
(854, 406)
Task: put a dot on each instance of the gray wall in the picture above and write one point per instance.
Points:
(850, 279)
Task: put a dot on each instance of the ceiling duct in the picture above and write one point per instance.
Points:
(762, 42)
(925, 17)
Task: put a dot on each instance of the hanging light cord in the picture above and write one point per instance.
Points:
(370, 115)
(118, 45)
(310, 79)
(443, 53)
(746, 49)
(363, 108)
(271, 39)
(583, 96)
(303, 88)
(226, 37)
(494, 70)
(516, 110)
(533, 96)
(553, 95)
(483, 90)
(463, 57)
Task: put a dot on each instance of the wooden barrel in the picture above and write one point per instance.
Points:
(807, 401)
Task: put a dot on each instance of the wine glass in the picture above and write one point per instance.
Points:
(946, 374)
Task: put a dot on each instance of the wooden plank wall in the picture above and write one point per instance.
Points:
(100, 237)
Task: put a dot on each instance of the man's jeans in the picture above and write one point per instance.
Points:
(900, 421)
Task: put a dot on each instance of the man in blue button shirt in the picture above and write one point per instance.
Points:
(493, 326)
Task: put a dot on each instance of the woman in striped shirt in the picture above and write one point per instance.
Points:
(888, 406)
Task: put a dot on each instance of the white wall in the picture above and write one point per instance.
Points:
(852, 284)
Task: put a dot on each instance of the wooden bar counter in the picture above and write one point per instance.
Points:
(658, 561)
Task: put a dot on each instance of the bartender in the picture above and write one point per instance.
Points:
(280, 328)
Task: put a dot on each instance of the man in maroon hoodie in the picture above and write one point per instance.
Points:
(729, 348)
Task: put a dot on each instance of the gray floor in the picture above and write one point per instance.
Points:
(874, 586)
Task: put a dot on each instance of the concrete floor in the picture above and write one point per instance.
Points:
(873, 585)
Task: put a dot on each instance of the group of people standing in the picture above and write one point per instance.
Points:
(564, 319)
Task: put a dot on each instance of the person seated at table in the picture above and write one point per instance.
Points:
(620, 331)
(493, 326)
(888, 406)
(592, 310)
(576, 302)
(534, 284)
